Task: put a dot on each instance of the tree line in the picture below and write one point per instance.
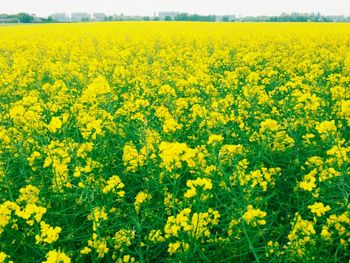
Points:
(86, 17)
(24, 18)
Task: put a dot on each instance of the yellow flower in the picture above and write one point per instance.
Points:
(29, 194)
(114, 184)
(31, 210)
(213, 139)
(123, 237)
(140, 198)
(85, 250)
(100, 245)
(328, 174)
(3, 256)
(326, 127)
(98, 87)
(166, 90)
(269, 125)
(345, 108)
(132, 158)
(173, 247)
(227, 151)
(254, 216)
(126, 258)
(97, 216)
(173, 154)
(325, 232)
(319, 209)
(35, 155)
(301, 228)
(170, 124)
(309, 182)
(48, 234)
(55, 256)
(6, 209)
(55, 124)
(156, 236)
(203, 183)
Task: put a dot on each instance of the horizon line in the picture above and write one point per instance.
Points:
(157, 14)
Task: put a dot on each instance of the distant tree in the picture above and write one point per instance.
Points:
(225, 19)
(195, 17)
(85, 17)
(168, 18)
(212, 18)
(182, 17)
(25, 18)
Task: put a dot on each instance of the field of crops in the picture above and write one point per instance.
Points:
(191, 142)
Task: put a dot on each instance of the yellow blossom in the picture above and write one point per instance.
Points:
(48, 234)
(319, 209)
(254, 216)
(55, 124)
(140, 198)
(55, 256)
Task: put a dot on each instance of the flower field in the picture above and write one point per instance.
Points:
(190, 142)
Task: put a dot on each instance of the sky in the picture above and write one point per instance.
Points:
(204, 7)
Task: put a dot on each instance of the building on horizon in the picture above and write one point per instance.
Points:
(60, 17)
(99, 16)
(8, 20)
(80, 17)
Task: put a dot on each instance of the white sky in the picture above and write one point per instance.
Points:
(149, 7)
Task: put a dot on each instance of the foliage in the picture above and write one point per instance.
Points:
(194, 17)
(25, 18)
(162, 142)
